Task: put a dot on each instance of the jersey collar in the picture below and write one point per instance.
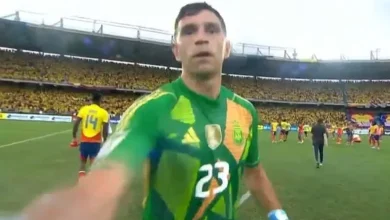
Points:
(199, 97)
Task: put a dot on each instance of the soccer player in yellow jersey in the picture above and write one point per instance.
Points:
(374, 134)
(94, 127)
(288, 128)
(284, 126)
(377, 136)
(306, 129)
(274, 128)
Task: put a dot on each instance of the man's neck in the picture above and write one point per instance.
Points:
(208, 87)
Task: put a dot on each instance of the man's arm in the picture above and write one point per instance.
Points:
(76, 127)
(326, 135)
(105, 131)
(255, 176)
(261, 187)
(106, 121)
(122, 153)
(88, 200)
(77, 122)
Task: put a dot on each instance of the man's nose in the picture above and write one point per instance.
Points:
(201, 38)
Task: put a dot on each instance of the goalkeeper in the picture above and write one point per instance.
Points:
(203, 137)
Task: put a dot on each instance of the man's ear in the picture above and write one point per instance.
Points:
(228, 49)
(175, 49)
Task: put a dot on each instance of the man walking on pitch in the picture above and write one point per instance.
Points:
(94, 122)
(320, 139)
(205, 137)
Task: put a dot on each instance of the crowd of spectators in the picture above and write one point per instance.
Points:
(36, 99)
(51, 100)
(300, 114)
(65, 70)
(368, 93)
(24, 66)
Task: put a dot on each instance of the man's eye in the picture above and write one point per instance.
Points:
(188, 30)
(212, 29)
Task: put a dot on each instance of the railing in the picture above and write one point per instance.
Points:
(116, 29)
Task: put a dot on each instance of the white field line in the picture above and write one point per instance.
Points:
(36, 138)
(244, 198)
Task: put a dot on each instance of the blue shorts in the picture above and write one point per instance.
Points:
(376, 137)
(89, 150)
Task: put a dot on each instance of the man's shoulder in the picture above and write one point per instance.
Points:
(148, 107)
(239, 100)
(83, 109)
(104, 112)
(160, 99)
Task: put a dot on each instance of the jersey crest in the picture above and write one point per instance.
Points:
(213, 135)
(237, 134)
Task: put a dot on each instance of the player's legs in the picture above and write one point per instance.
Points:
(305, 133)
(299, 137)
(315, 148)
(84, 154)
(274, 136)
(321, 151)
(281, 135)
(377, 142)
(349, 138)
(369, 139)
(339, 138)
(285, 137)
(87, 151)
(93, 152)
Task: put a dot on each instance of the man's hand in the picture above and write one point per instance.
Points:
(74, 143)
(326, 139)
(95, 198)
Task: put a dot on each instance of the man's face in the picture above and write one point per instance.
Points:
(201, 45)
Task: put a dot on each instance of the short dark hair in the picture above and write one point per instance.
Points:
(320, 121)
(96, 97)
(194, 9)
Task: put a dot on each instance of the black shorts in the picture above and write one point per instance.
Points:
(287, 133)
(349, 136)
(305, 132)
(274, 133)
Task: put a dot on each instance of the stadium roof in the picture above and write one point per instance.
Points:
(142, 47)
(153, 34)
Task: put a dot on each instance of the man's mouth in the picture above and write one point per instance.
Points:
(203, 54)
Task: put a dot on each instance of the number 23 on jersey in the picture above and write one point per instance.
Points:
(223, 175)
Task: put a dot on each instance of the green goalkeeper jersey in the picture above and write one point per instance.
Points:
(199, 149)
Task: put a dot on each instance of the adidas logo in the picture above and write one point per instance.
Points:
(191, 138)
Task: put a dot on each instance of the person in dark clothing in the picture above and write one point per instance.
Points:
(320, 139)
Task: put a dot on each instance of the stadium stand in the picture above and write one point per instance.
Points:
(51, 100)
(262, 80)
(64, 70)
(368, 92)
(37, 99)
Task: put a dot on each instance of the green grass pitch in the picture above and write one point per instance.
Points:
(354, 183)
